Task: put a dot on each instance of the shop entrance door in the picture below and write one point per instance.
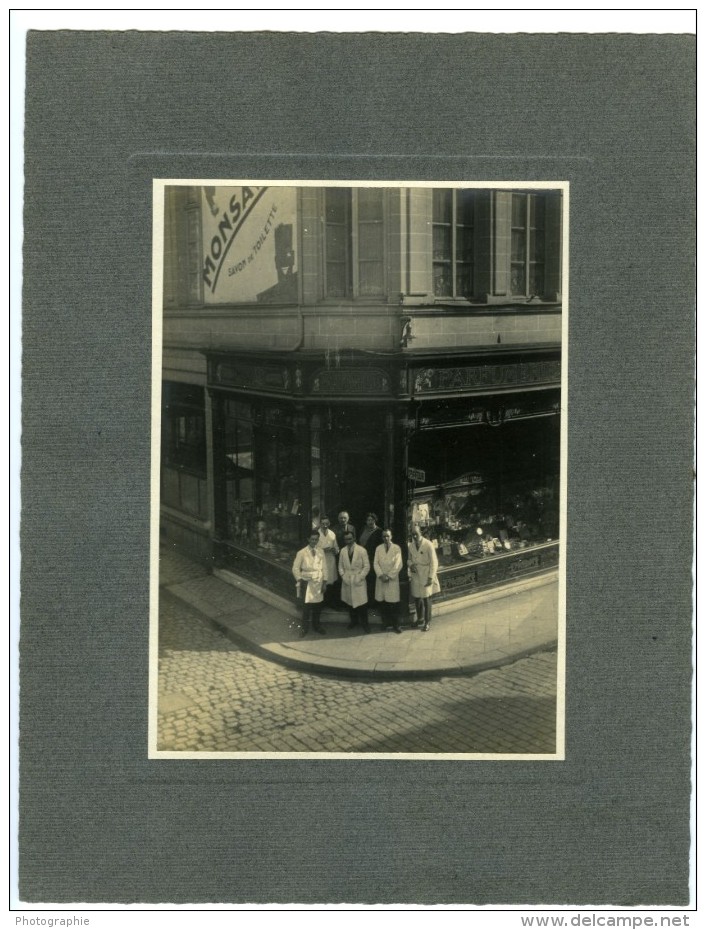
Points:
(353, 452)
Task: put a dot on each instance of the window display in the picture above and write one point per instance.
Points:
(263, 502)
(506, 500)
(464, 524)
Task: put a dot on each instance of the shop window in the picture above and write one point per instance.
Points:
(183, 427)
(262, 487)
(239, 468)
(453, 223)
(354, 243)
(184, 448)
(488, 491)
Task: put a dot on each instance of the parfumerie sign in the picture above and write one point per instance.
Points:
(440, 380)
(249, 236)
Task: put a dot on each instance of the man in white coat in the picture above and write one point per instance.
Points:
(353, 567)
(311, 576)
(423, 566)
(388, 565)
(328, 545)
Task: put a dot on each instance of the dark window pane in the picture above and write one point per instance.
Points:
(336, 203)
(464, 244)
(537, 280)
(184, 426)
(231, 434)
(464, 280)
(537, 244)
(518, 279)
(238, 409)
(442, 206)
(370, 203)
(442, 280)
(519, 209)
(336, 243)
(442, 243)
(465, 200)
(245, 433)
(518, 245)
(537, 211)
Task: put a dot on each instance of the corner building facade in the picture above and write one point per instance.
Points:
(385, 349)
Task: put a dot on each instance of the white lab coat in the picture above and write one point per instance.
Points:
(329, 547)
(423, 566)
(311, 567)
(388, 563)
(353, 572)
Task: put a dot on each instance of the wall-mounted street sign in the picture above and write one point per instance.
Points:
(416, 474)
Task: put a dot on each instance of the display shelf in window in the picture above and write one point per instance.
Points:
(473, 518)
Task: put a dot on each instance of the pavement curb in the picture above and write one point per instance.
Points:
(322, 667)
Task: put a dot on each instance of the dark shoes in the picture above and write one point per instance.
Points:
(397, 629)
(425, 628)
(416, 623)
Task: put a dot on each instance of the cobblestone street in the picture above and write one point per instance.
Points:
(215, 697)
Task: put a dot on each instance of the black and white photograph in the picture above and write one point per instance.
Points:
(358, 513)
(353, 380)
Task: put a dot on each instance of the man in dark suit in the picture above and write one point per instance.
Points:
(343, 527)
(370, 538)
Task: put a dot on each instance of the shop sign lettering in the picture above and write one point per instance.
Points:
(470, 479)
(524, 565)
(463, 579)
(416, 474)
(430, 380)
(342, 381)
(255, 376)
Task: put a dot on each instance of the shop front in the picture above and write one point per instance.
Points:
(468, 450)
(485, 487)
(293, 442)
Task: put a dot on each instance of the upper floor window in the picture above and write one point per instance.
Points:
(453, 222)
(354, 246)
(527, 248)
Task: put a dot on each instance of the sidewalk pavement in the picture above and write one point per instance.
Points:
(490, 629)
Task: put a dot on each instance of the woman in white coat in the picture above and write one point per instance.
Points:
(388, 565)
(423, 566)
(353, 567)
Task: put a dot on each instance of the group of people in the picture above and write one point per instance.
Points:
(335, 567)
